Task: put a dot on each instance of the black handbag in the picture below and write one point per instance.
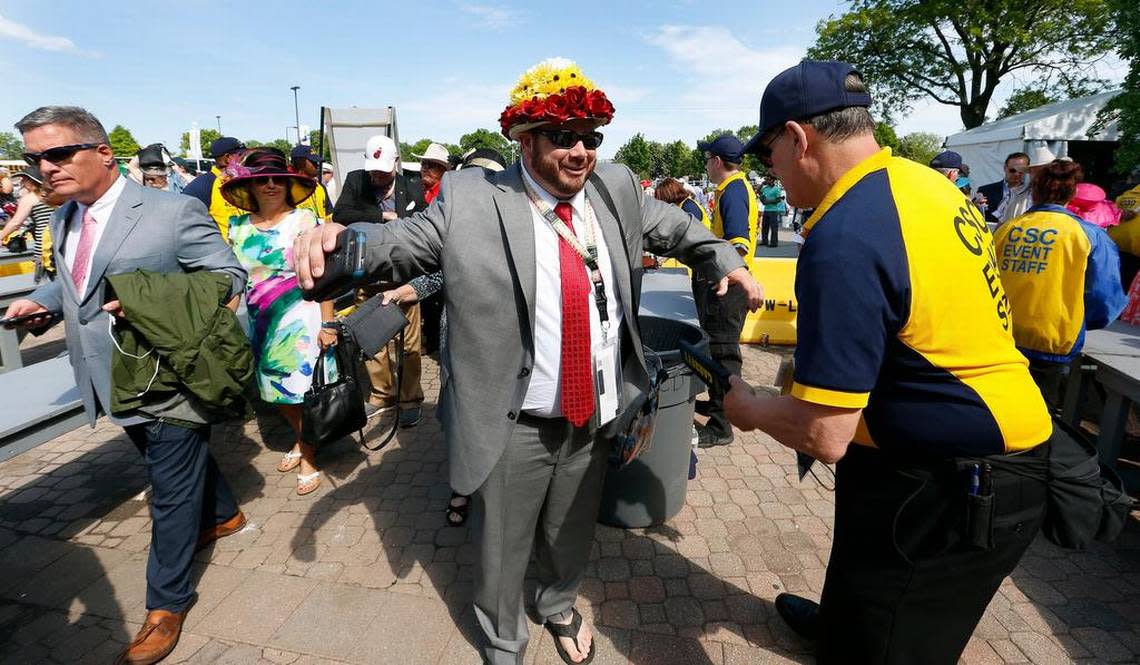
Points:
(334, 410)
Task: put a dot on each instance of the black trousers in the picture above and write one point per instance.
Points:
(770, 228)
(722, 318)
(904, 584)
(188, 493)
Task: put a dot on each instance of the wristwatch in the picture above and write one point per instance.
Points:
(334, 325)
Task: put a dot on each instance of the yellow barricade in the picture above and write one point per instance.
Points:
(21, 268)
(776, 318)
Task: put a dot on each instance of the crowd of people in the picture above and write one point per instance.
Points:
(929, 339)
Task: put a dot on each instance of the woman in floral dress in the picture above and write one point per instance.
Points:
(286, 331)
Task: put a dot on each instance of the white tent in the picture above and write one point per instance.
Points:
(984, 148)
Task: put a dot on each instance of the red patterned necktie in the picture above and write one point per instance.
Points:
(577, 380)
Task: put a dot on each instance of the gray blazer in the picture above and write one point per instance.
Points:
(148, 230)
(480, 233)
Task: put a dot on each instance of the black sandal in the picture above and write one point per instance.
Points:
(457, 515)
(569, 630)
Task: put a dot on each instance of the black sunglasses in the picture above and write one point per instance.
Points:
(266, 179)
(564, 138)
(57, 154)
(764, 151)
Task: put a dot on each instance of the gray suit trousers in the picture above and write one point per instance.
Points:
(543, 493)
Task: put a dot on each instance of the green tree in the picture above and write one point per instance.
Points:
(11, 147)
(207, 137)
(637, 154)
(315, 143)
(886, 137)
(920, 147)
(1125, 107)
(485, 138)
(122, 142)
(1026, 99)
(677, 160)
(957, 53)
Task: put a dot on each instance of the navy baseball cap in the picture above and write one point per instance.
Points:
(946, 160)
(809, 88)
(726, 146)
(225, 146)
(304, 152)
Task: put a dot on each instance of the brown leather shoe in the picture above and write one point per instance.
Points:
(155, 640)
(227, 528)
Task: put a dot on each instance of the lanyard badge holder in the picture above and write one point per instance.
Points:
(604, 352)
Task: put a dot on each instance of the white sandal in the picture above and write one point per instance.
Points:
(290, 461)
(303, 481)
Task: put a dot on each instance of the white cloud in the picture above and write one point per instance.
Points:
(492, 18)
(9, 29)
(452, 110)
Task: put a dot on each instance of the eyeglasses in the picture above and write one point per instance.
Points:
(764, 151)
(564, 138)
(266, 179)
(57, 154)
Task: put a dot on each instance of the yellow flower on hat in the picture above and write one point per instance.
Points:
(548, 77)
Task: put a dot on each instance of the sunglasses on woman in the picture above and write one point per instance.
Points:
(564, 138)
(266, 179)
(57, 154)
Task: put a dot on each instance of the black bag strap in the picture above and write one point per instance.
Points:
(399, 382)
(635, 274)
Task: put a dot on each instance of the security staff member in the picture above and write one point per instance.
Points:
(906, 374)
(734, 220)
(207, 187)
(1062, 275)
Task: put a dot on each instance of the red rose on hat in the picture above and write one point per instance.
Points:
(598, 105)
(575, 101)
(531, 109)
(557, 108)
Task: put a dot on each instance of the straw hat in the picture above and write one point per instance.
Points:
(259, 163)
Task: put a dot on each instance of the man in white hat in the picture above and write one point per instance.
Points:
(433, 164)
(544, 345)
(380, 193)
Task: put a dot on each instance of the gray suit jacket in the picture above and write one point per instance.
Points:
(480, 233)
(148, 230)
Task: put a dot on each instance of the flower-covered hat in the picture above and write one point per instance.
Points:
(550, 93)
(258, 163)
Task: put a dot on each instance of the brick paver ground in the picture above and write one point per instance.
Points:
(366, 571)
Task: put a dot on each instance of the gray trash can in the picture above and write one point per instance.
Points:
(651, 489)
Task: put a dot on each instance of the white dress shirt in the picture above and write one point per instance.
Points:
(543, 397)
(101, 211)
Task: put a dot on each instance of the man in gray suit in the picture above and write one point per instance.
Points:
(543, 263)
(110, 225)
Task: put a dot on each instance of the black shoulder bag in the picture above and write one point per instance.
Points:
(334, 410)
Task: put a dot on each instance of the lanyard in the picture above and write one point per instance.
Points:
(588, 253)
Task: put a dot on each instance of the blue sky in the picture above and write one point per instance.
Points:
(673, 69)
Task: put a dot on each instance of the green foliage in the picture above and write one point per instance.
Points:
(284, 145)
(920, 147)
(957, 53)
(1125, 107)
(11, 147)
(485, 138)
(677, 160)
(315, 142)
(637, 154)
(886, 137)
(207, 137)
(122, 142)
(1026, 99)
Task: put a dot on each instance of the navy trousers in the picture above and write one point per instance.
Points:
(188, 493)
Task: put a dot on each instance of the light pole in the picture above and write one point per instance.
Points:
(219, 123)
(297, 112)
